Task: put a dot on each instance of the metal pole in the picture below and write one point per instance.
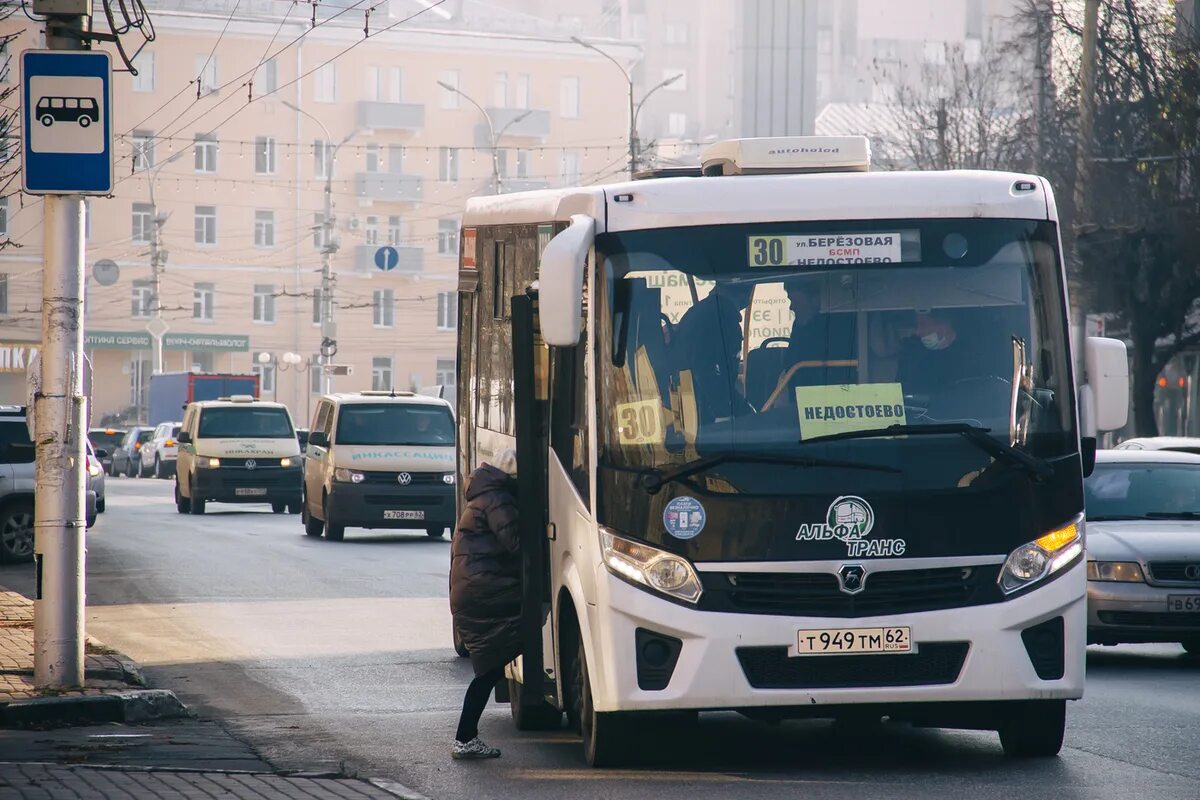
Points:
(157, 261)
(493, 138)
(633, 139)
(60, 419)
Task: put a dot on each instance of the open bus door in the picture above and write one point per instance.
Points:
(531, 684)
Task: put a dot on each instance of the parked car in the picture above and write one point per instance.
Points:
(95, 481)
(1143, 548)
(126, 459)
(108, 440)
(1180, 444)
(157, 457)
(17, 456)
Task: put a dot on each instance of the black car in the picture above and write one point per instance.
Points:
(125, 458)
(107, 439)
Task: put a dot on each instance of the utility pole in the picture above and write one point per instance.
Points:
(493, 134)
(60, 419)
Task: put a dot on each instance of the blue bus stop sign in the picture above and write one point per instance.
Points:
(386, 258)
(66, 122)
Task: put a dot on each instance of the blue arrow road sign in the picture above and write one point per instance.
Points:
(386, 258)
(66, 122)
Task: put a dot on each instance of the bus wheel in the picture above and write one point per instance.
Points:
(1034, 729)
(539, 717)
(84, 121)
(47, 120)
(608, 741)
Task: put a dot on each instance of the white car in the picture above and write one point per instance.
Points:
(158, 455)
(1180, 444)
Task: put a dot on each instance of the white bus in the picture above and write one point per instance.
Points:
(796, 439)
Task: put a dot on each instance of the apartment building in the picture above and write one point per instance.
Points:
(228, 138)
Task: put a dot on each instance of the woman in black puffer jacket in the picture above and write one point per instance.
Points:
(485, 591)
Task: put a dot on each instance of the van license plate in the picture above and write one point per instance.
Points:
(249, 491)
(404, 515)
(837, 641)
(1183, 602)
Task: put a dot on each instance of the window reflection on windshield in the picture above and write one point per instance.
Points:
(1142, 490)
(705, 352)
(394, 424)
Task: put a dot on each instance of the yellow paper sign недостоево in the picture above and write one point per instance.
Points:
(824, 410)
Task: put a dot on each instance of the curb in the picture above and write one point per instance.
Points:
(139, 705)
(398, 789)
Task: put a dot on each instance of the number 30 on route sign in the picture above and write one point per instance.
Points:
(66, 100)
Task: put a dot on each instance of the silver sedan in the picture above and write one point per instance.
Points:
(1143, 548)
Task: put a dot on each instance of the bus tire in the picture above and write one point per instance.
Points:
(1034, 728)
(540, 717)
(608, 739)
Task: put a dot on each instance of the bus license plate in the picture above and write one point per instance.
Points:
(1183, 602)
(837, 641)
(249, 491)
(404, 515)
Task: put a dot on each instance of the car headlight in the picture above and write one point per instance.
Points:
(1119, 571)
(448, 479)
(348, 476)
(212, 463)
(655, 569)
(1042, 557)
(285, 462)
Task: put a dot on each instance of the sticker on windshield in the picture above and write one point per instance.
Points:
(640, 422)
(825, 410)
(849, 519)
(684, 517)
(822, 249)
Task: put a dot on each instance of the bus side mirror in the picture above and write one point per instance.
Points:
(560, 282)
(1108, 379)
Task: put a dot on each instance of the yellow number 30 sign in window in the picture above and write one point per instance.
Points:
(640, 422)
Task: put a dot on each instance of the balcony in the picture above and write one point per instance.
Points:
(412, 259)
(379, 116)
(388, 187)
(534, 126)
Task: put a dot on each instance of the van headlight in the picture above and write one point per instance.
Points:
(655, 569)
(285, 462)
(448, 479)
(348, 476)
(1042, 557)
(205, 461)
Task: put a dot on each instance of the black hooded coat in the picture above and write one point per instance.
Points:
(485, 571)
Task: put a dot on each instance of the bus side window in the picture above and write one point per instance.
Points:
(569, 417)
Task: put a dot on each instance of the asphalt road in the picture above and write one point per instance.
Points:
(325, 654)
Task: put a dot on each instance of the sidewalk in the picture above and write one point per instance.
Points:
(114, 689)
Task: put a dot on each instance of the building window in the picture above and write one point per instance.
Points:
(500, 90)
(3, 293)
(264, 228)
(204, 301)
(142, 298)
(203, 361)
(322, 158)
(447, 164)
(206, 74)
(677, 33)
(206, 225)
(447, 237)
(264, 302)
(569, 167)
(315, 379)
(445, 373)
(569, 97)
(326, 88)
(676, 123)
(524, 158)
(374, 84)
(395, 230)
(524, 96)
(3, 216)
(143, 223)
(316, 315)
(383, 308)
(144, 64)
(264, 155)
(381, 374)
(268, 77)
(372, 157)
(371, 230)
(206, 152)
(395, 159)
(972, 50)
(447, 311)
(449, 98)
(679, 84)
(265, 373)
(396, 85)
(142, 145)
(935, 53)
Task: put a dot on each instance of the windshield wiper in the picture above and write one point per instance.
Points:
(1172, 515)
(653, 479)
(975, 434)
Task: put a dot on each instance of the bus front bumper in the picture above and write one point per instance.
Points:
(746, 661)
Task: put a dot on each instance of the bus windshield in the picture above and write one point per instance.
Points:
(769, 339)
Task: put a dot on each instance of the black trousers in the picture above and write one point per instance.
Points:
(475, 701)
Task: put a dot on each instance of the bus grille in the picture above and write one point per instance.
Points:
(934, 663)
(817, 594)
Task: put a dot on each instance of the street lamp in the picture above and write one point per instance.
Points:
(493, 134)
(329, 245)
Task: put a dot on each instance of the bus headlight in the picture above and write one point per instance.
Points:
(1042, 557)
(655, 569)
